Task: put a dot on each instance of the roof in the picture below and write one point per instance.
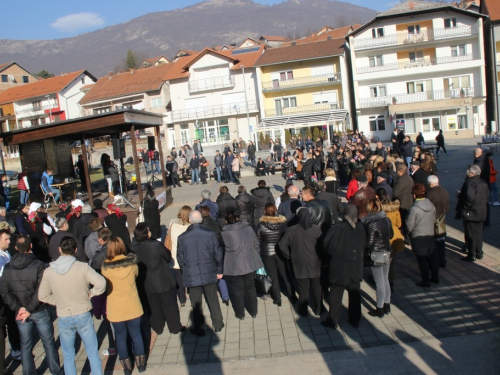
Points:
(5, 66)
(275, 38)
(332, 34)
(127, 83)
(300, 52)
(153, 60)
(37, 89)
(492, 9)
(410, 6)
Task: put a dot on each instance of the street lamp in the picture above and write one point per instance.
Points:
(50, 108)
(246, 101)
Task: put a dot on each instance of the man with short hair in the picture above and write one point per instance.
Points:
(199, 254)
(173, 171)
(63, 231)
(65, 284)
(228, 162)
(331, 198)
(218, 160)
(20, 281)
(145, 159)
(194, 164)
(206, 201)
(47, 181)
(441, 201)
(362, 196)
(289, 207)
(418, 175)
(382, 179)
(261, 196)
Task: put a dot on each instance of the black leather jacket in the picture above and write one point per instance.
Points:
(269, 232)
(379, 232)
(321, 214)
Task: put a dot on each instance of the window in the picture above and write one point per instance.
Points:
(377, 123)
(377, 91)
(410, 123)
(5, 78)
(156, 102)
(279, 104)
(460, 50)
(325, 97)
(83, 80)
(26, 79)
(289, 102)
(430, 121)
(462, 121)
(98, 111)
(34, 122)
(416, 56)
(378, 33)
(414, 29)
(37, 104)
(375, 61)
(450, 22)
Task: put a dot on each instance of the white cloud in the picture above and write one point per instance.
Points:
(78, 22)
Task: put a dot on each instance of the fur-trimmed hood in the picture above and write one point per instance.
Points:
(391, 207)
(121, 265)
(373, 217)
(273, 219)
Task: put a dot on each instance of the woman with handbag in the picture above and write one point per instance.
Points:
(378, 229)
(241, 260)
(176, 228)
(420, 223)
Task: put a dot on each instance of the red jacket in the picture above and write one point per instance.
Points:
(493, 173)
(20, 184)
(352, 188)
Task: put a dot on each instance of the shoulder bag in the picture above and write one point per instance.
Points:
(440, 226)
(168, 238)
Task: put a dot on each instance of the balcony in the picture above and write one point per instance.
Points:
(209, 84)
(420, 63)
(321, 80)
(214, 111)
(430, 35)
(418, 97)
(326, 107)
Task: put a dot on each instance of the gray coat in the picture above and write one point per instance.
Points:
(242, 254)
(420, 225)
(402, 191)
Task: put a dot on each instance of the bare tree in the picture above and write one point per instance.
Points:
(341, 20)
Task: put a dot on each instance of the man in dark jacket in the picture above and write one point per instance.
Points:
(474, 200)
(382, 179)
(226, 203)
(419, 175)
(441, 201)
(173, 171)
(82, 229)
(19, 289)
(482, 160)
(63, 231)
(307, 168)
(199, 254)
(194, 164)
(205, 201)
(331, 198)
(145, 159)
(197, 147)
(407, 150)
(394, 141)
(261, 196)
(245, 204)
(218, 160)
(228, 161)
(362, 196)
(289, 207)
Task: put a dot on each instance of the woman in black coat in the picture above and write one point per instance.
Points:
(270, 229)
(203, 169)
(345, 245)
(152, 214)
(226, 204)
(261, 196)
(260, 168)
(155, 281)
(116, 221)
(245, 203)
(251, 153)
(299, 245)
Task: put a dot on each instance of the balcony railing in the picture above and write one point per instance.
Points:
(324, 79)
(419, 63)
(429, 35)
(417, 97)
(214, 111)
(325, 107)
(208, 84)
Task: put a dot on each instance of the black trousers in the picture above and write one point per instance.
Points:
(428, 263)
(354, 308)
(181, 290)
(164, 309)
(210, 293)
(12, 330)
(175, 179)
(304, 285)
(3, 322)
(276, 267)
(474, 237)
(441, 249)
(242, 294)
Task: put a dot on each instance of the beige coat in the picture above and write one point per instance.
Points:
(177, 229)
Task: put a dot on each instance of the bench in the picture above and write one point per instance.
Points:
(480, 144)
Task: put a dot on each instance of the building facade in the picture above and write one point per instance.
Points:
(420, 66)
(12, 75)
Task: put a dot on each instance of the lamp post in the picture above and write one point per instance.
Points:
(50, 108)
(246, 101)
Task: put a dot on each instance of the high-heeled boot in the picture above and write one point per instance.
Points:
(140, 363)
(127, 366)
(387, 308)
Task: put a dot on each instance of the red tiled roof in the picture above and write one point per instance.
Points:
(302, 52)
(155, 59)
(333, 34)
(40, 88)
(141, 80)
(493, 8)
(275, 38)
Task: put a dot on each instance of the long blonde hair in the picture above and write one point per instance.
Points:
(183, 214)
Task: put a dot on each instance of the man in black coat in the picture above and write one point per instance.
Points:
(482, 160)
(331, 198)
(261, 196)
(199, 254)
(226, 203)
(307, 168)
(382, 179)
(194, 164)
(394, 141)
(173, 171)
(289, 207)
(63, 231)
(473, 200)
(419, 175)
(19, 289)
(441, 201)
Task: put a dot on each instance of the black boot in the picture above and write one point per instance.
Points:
(379, 312)
(387, 308)
(140, 363)
(127, 366)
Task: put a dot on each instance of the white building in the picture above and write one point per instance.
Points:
(214, 97)
(420, 66)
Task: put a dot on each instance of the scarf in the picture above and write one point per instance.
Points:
(74, 211)
(115, 209)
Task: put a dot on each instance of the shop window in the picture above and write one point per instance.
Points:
(377, 123)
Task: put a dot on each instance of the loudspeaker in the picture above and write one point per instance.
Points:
(118, 148)
(151, 143)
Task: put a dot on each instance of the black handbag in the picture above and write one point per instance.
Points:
(263, 282)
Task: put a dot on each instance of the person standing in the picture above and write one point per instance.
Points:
(123, 306)
(441, 201)
(152, 214)
(251, 153)
(199, 254)
(206, 201)
(81, 173)
(194, 164)
(245, 203)
(235, 168)
(203, 168)
(23, 186)
(402, 192)
(197, 147)
(345, 246)
(261, 196)
(418, 175)
(364, 194)
(66, 284)
(407, 150)
(218, 161)
(116, 221)
(440, 143)
(145, 159)
(394, 141)
(226, 203)
(173, 170)
(472, 207)
(228, 165)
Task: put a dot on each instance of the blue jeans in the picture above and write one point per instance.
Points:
(24, 196)
(195, 176)
(83, 324)
(45, 330)
(146, 167)
(224, 294)
(157, 166)
(493, 192)
(408, 161)
(133, 328)
(56, 194)
(230, 172)
(219, 173)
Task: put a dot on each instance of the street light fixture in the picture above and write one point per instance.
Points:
(50, 108)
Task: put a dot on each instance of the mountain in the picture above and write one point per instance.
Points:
(210, 23)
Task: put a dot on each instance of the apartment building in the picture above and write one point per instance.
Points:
(303, 86)
(214, 96)
(12, 75)
(420, 66)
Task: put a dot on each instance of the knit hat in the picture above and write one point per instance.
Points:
(383, 175)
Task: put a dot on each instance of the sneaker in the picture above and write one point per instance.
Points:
(109, 351)
(496, 204)
(15, 355)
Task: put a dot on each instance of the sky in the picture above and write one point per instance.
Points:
(35, 19)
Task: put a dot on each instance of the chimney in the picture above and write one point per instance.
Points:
(294, 43)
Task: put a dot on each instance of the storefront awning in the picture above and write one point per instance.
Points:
(303, 119)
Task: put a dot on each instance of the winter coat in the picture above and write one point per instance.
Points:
(392, 212)
(21, 278)
(175, 229)
(118, 227)
(194, 163)
(199, 254)
(332, 186)
(261, 197)
(361, 198)
(322, 214)
(269, 232)
(420, 177)
(113, 171)
(245, 203)
(226, 204)
(288, 168)
(82, 228)
(378, 230)
(440, 199)
(352, 188)
(334, 202)
(154, 271)
(213, 225)
(474, 199)
(345, 247)
(152, 216)
(420, 226)
(484, 163)
(307, 168)
(214, 208)
(407, 149)
(439, 140)
(55, 241)
(385, 186)
(299, 245)
(402, 191)
(99, 256)
(242, 249)
(251, 151)
(92, 245)
(218, 160)
(123, 301)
